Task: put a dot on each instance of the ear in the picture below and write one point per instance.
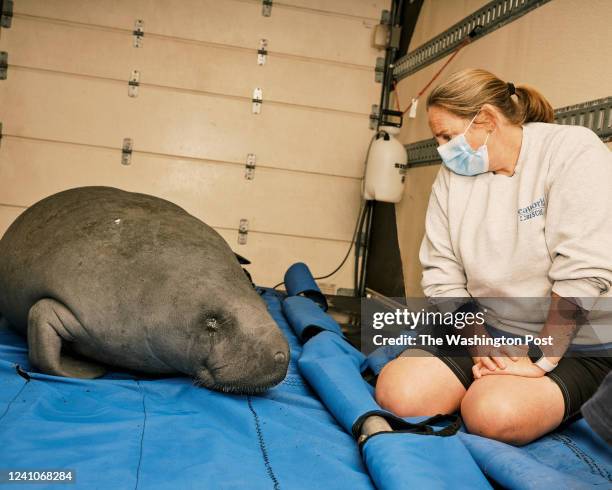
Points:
(489, 117)
(46, 333)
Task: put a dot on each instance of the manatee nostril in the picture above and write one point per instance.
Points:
(280, 357)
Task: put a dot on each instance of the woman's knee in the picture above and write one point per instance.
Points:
(418, 386)
(490, 411)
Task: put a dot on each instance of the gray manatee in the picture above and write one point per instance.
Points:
(99, 275)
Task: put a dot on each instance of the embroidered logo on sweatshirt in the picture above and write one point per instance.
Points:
(536, 208)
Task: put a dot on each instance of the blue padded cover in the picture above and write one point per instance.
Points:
(299, 281)
(306, 318)
(398, 460)
(332, 367)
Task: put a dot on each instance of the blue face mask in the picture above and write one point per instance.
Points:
(459, 156)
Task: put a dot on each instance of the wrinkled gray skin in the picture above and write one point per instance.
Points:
(134, 281)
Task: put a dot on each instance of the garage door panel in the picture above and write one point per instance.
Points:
(98, 112)
(329, 37)
(108, 53)
(272, 255)
(274, 202)
(362, 8)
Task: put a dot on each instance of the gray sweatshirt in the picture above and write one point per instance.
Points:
(546, 228)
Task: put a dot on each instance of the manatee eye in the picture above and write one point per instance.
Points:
(211, 324)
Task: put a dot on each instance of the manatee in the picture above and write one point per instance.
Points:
(97, 276)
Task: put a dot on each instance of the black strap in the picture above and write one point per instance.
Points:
(425, 427)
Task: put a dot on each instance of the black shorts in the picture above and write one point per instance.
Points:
(577, 377)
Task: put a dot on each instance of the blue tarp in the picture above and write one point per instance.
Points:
(126, 432)
(123, 431)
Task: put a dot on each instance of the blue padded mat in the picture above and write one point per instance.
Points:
(123, 431)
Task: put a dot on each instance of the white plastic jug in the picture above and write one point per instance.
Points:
(386, 163)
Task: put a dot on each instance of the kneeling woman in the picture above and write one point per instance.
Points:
(521, 208)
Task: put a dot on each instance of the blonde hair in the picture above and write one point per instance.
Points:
(465, 92)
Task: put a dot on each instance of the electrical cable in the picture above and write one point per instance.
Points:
(357, 224)
(358, 249)
(366, 250)
(359, 217)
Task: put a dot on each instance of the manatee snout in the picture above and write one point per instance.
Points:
(246, 360)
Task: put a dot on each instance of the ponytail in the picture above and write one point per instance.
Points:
(533, 106)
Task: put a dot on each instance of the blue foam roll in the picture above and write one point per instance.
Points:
(332, 367)
(299, 281)
(307, 319)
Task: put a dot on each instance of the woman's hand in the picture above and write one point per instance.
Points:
(488, 356)
(493, 360)
(521, 366)
(496, 358)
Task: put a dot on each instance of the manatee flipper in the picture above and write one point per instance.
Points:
(49, 325)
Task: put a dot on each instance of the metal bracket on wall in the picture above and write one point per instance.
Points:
(490, 17)
(138, 33)
(385, 17)
(266, 9)
(126, 151)
(134, 83)
(257, 100)
(250, 167)
(3, 65)
(395, 37)
(374, 115)
(392, 118)
(243, 231)
(594, 114)
(387, 117)
(262, 52)
(6, 13)
(379, 70)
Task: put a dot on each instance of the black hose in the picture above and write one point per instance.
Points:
(358, 239)
(366, 248)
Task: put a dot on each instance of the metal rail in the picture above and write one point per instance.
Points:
(485, 20)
